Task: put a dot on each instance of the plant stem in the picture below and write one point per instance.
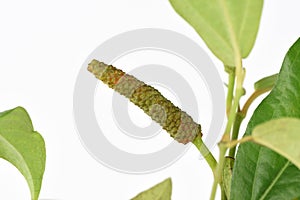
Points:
(241, 116)
(235, 131)
(223, 148)
(236, 142)
(218, 176)
(255, 94)
(213, 190)
(232, 115)
(225, 139)
(210, 159)
(239, 91)
(223, 194)
(231, 82)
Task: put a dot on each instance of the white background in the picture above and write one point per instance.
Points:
(42, 47)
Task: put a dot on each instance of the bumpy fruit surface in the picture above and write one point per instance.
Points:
(175, 121)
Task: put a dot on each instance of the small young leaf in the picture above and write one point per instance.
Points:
(161, 191)
(228, 27)
(23, 147)
(265, 83)
(282, 136)
(258, 171)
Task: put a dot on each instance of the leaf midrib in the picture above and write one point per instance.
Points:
(211, 28)
(20, 155)
(274, 181)
(232, 35)
(244, 19)
(162, 192)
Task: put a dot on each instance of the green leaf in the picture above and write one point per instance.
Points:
(282, 136)
(161, 191)
(265, 83)
(260, 173)
(23, 147)
(228, 27)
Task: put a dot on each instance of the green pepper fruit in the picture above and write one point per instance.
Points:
(175, 121)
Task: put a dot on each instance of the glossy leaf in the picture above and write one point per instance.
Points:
(23, 147)
(282, 136)
(161, 191)
(260, 173)
(228, 27)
